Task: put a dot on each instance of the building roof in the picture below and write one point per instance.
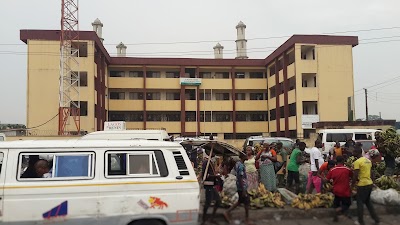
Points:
(91, 35)
(54, 35)
(240, 24)
(121, 45)
(311, 39)
(218, 45)
(97, 22)
(186, 61)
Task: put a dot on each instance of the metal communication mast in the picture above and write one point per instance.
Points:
(69, 104)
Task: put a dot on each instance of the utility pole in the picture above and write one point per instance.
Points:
(366, 104)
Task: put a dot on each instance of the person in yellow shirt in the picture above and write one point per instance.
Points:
(362, 177)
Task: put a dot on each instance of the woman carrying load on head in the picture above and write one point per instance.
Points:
(267, 158)
(251, 170)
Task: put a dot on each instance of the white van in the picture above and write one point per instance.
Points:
(2, 137)
(160, 135)
(330, 136)
(123, 182)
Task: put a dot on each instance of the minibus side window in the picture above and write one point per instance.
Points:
(56, 166)
(341, 137)
(136, 164)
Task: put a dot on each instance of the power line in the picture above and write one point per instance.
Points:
(42, 123)
(182, 53)
(378, 84)
(257, 38)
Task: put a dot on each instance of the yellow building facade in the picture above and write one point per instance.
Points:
(307, 79)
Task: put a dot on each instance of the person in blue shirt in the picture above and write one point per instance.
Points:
(241, 183)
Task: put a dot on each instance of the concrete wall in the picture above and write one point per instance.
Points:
(43, 85)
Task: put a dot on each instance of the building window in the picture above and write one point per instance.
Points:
(293, 134)
(228, 136)
(272, 70)
(190, 94)
(135, 73)
(116, 116)
(292, 83)
(83, 107)
(190, 116)
(240, 96)
(117, 95)
(206, 96)
(223, 117)
(135, 95)
(272, 92)
(83, 80)
(239, 75)
(153, 74)
(206, 75)
(309, 79)
(258, 116)
(222, 96)
(221, 75)
(241, 116)
(82, 47)
(117, 73)
(153, 116)
(173, 96)
(291, 58)
(282, 112)
(308, 52)
(208, 116)
(172, 74)
(256, 75)
(280, 64)
(257, 96)
(172, 116)
(281, 88)
(190, 72)
(292, 109)
(134, 116)
(153, 96)
(272, 114)
(310, 108)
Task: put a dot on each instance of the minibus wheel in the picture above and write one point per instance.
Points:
(147, 222)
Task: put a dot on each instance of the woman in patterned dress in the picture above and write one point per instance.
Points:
(251, 170)
(267, 158)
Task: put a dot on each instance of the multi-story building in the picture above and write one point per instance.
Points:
(309, 78)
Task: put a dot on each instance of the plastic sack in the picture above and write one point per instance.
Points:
(287, 195)
(385, 197)
(304, 169)
(230, 188)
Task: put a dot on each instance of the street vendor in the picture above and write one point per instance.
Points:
(210, 178)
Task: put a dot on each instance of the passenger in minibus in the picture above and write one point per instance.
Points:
(42, 169)
(30, 172)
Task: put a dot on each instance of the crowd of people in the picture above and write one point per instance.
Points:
(259, 164)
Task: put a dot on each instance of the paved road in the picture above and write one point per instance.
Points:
(385, 220)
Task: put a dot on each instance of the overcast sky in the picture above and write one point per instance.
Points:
(161, 21)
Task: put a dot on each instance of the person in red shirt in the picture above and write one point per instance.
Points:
(340, 176)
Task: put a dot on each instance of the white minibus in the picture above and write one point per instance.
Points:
(101, 182)
(330, 136)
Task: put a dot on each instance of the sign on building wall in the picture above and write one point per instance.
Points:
(117, 125)
(308, 120)
(190, 81)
